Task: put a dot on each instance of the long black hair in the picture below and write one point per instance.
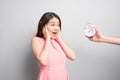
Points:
(44, 20)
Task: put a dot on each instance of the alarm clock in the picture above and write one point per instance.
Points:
(89, 30)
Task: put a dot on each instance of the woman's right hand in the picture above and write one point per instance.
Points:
(46, 33)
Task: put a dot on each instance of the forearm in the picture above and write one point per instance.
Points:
(69, 52)
(45, 53)
(111, 39)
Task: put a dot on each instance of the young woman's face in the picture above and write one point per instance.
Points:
(53, 27)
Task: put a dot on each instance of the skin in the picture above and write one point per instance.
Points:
(99, 37)
(50, 31)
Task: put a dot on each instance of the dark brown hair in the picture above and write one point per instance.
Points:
(44, 20)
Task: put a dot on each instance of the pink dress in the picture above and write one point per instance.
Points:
(56, 67)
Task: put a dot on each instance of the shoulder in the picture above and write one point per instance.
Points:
(34, 39)
(37, 39)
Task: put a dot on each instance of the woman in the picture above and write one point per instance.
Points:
(50, 50)
(99, 37)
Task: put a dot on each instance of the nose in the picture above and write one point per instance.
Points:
(56, 27)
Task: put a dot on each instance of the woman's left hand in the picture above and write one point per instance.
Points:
(58, 36)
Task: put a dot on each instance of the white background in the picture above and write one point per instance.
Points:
(94, 61)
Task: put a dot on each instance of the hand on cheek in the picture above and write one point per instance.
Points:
(46, 32)
(58, 36)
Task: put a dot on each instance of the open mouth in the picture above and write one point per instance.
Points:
(54, 33)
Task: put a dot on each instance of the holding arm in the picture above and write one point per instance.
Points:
(99, 37)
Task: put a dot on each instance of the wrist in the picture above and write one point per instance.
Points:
(47, 39)
(103, 38)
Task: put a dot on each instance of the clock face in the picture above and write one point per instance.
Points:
(89, 31)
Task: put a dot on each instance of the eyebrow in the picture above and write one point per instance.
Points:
(54, 22)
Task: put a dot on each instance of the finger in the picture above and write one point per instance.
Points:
(90, 38)
(43, 29)
(96, 29)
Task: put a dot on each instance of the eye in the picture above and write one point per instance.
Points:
(52, 24)
(58, 25)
